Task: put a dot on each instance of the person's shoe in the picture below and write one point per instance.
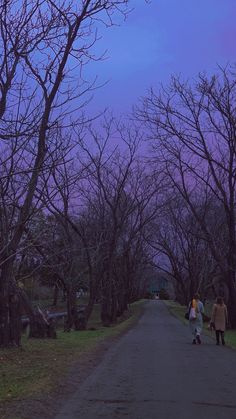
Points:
(194, 342)
(223, 342)
(217, 343)
(198, 340)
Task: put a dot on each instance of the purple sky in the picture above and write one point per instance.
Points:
(159, 39)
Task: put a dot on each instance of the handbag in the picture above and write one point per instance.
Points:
(211, 326)
(186, 316)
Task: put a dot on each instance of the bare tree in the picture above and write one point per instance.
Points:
(181, 249)
(193, 132)
(104, 199)
(121, 203)
(45, 46)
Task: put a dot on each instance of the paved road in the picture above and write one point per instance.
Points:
(154, 372)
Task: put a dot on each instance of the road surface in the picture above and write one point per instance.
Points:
(154, 372)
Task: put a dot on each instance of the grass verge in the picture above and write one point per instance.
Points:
(40, 363)
(178, 311)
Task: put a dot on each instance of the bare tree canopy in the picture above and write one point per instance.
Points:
(192, 127)
(45, 45)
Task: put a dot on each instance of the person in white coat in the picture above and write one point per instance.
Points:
(196, 310)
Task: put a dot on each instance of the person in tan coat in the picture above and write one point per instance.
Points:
(219, 319)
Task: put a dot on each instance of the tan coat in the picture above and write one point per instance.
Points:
(219, 316)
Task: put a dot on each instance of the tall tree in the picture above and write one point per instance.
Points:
(193, 127)
(42, 42)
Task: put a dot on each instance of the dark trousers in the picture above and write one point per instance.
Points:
(219, 334)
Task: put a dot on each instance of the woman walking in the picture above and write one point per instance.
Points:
(219, 319)
(196, 309)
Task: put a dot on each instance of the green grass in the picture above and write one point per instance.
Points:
(178, 311)
(41, 362)
(230, 337)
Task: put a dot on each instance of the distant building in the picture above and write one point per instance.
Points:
(157, 284)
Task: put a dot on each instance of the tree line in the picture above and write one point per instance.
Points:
(192, 126)
(83, 201)
(66, 211)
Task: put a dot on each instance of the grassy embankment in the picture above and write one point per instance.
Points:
(179, 311)
(41, 362)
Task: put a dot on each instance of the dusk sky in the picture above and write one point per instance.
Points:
(159, 39)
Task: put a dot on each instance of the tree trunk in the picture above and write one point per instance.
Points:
(10, 324)
(106, 303)
(114, 308)
(55, 296)
(105, 312)
(122, 304)
(15, 319)
(69, 320)
(40, 326)
(4, 317)
(232, 299)
(89, 307)
(75, 319)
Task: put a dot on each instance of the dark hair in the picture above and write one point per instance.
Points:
(220, 301)
(196, 297)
